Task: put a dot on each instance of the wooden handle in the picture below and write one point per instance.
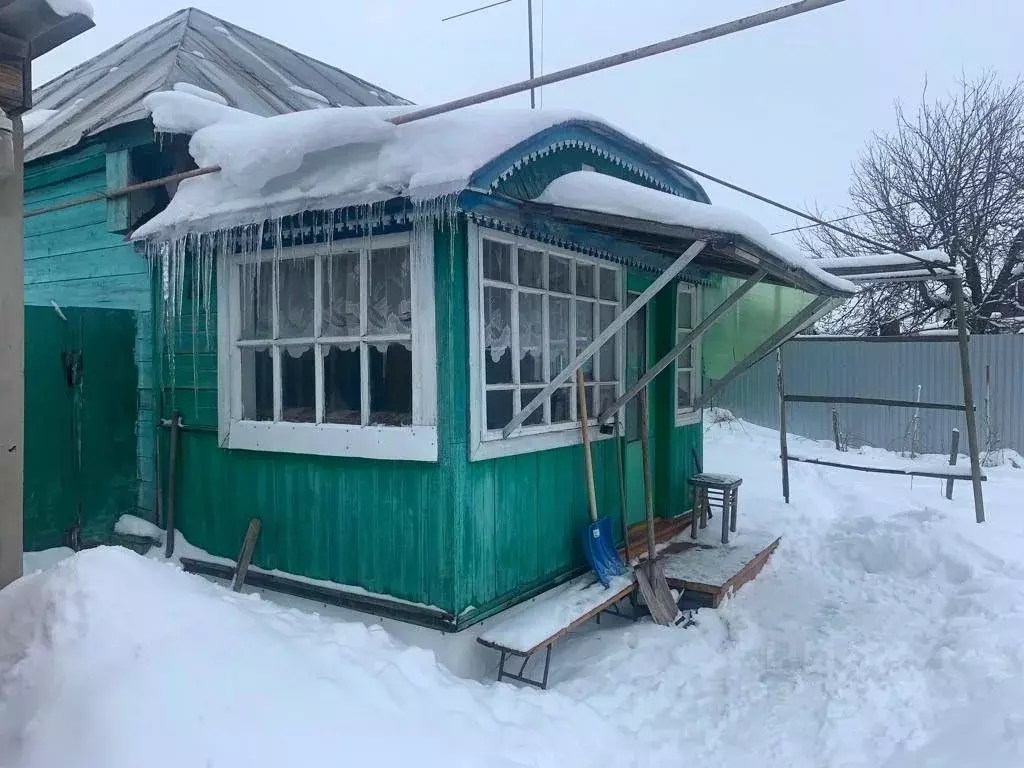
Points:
(645, 445)
(581, 401)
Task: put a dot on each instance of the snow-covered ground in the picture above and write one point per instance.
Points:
(886, 631)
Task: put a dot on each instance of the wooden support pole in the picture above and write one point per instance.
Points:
(832, 399)
(965, 374)
(783, 447)
(245, 556)
(618, 323)
(688, 340)
(835, 429)
(953, 452)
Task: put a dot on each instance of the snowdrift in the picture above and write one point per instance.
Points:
(109, 659)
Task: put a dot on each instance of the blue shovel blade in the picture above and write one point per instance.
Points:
(599, 547)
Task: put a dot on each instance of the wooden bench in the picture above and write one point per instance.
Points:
(550, 617)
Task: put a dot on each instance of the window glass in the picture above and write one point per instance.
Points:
(295, 298)
(341, 295)
(363, 343)
(543, 309)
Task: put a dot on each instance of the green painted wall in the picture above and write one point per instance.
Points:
(74, 260)
(453, 534)
(754, 318)
(385, 526)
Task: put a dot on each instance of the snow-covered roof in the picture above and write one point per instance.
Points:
(596, 192)
(248, 71)
(44, 24)
(922, 259)
(334, 158)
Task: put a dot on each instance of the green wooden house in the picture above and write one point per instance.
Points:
(369, 343)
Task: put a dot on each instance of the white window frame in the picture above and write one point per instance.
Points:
(488, 444)
(688, 416)
(417, 442)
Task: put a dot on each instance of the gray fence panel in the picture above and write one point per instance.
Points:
(890, 369)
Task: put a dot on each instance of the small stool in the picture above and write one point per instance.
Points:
(720, 490)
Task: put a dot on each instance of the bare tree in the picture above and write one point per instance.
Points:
(950, 177)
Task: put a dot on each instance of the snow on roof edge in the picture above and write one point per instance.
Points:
(587, 190)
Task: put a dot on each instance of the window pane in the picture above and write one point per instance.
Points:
(589, 391)
(295, 304)
(609, 285)
(497, 261)
(527, 396)
(585, 280)
(531, 268)
(685, 360)
(559, 274)
(561, 411)
(608, 369)
(606, 398)
(498, 335)
(558, 334)
(499, 408)
(684, 394)
(685, 310)
(585, 334)
(531, 337)
(342, 393)
(389, 308)
(256, 283)
(298, 383)
(391, 384)
(257, 384)
(341, 295)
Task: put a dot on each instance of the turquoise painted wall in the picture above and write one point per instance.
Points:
(72, 259)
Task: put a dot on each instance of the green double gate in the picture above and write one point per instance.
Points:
(80, 424)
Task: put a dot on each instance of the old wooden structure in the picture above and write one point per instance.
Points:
(387, 384)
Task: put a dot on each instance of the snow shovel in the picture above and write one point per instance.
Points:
(650, 576)
(598, 541)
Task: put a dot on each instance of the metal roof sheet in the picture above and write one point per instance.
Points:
(251, 72)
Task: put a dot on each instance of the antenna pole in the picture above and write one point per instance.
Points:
(529, 21)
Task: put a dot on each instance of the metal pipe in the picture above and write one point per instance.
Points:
(801, 320)
(635, 306)
(965, 374)
(122, 191)
(833, 399)
(529, 21)
(783, 444)
(683, 41)
(673, 44)
(688, 340)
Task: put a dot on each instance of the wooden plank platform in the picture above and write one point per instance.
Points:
(664, 530)
(714, 569)
(540, 623)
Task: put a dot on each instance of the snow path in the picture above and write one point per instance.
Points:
(885, 631)
(884, 607)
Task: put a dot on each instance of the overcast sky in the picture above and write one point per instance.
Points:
(782, 109)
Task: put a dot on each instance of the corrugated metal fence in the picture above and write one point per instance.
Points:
(890, 368)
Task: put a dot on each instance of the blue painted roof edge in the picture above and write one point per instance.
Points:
(602, 138)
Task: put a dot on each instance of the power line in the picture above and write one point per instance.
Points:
(803, 214)
(475, 10)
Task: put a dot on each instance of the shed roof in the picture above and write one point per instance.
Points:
(44, 24)
(250, 72)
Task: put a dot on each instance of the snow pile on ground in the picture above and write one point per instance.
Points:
(887, 622)
(885, 631)
(329, 158)
(589, 191)
(109, 659)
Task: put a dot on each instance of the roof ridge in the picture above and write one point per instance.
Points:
(232, 26)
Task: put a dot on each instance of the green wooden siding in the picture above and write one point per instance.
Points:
(385, 526)
(73, 260)
(80, 451)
